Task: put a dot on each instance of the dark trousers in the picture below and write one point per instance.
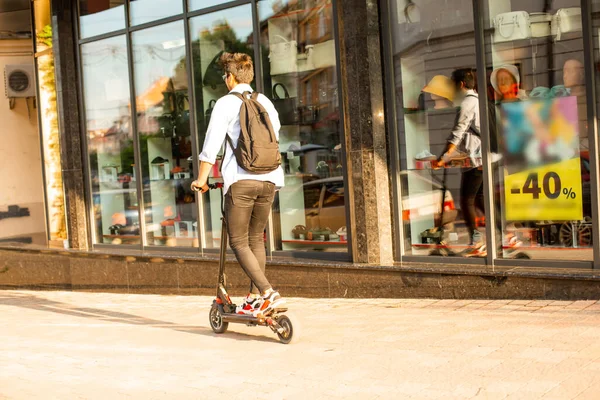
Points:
(247, 207)
(471, 197)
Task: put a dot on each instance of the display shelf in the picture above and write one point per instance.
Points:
(171, 179)
(428, 111)
(522, 248)
(174, 237)
(315, 242)
(124, 238)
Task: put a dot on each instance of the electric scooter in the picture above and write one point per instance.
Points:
(223, 312)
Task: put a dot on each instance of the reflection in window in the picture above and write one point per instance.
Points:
(213, 34)
(199, 4)
(55, 202)
(163, 125)
(298, 60)
(430, 41)
(142, 11)
(43, 28)
(98, 17)
(538, 126)
(110, 141)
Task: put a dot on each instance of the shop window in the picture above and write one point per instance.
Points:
(110, 141)
(142, 11)
(212, 34)
(97, 17)
(442, 205)
(539, 129)
(299, 75)
(163, 128)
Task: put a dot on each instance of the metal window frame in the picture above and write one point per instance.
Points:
(392, 129)
(488, 181)
(591, 99)
(186, 17)
(391, 120)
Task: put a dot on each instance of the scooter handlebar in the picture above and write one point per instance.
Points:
(211, 186)
(217, 185)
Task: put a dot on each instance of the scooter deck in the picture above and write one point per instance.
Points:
(250, 319)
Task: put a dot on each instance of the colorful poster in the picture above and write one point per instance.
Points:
(542, 167)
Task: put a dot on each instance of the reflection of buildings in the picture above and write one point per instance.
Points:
(300, 57)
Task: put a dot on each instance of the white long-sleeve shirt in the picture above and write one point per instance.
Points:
(225, 120)
(466, 134)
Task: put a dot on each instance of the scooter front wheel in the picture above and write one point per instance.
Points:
(216, 320)
(287, 335)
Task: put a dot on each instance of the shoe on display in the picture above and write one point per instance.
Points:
(514, 242)
(477, 251)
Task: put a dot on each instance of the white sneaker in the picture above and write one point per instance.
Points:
(269, 303)
(250, 305)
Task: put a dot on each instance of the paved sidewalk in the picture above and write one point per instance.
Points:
(64, 345)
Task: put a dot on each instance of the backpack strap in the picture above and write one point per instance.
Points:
(238, 95)
(243, 98)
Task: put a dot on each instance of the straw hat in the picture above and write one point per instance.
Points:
(511, 69)
(442, 86)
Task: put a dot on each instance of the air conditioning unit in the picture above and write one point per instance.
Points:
(18, 81)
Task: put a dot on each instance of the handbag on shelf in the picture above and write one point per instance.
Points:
(323, 55)
(305, 60)
(519, 25)
(511, 26)
(540, 24)
(283, 56)
(566, 20)
(286, 106)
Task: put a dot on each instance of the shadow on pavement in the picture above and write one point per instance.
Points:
(40, 304)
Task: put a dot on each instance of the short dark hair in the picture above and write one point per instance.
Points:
(239, 65)
(467, 76)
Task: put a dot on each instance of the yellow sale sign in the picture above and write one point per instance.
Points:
(551, 192)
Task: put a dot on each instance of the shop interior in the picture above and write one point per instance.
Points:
(534, 50)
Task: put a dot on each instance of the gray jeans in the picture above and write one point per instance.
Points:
(247, 207)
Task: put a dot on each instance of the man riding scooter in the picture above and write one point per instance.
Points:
(248, 195)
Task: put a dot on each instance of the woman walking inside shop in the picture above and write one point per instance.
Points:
(465, 138)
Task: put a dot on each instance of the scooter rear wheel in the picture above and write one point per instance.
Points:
(216, 320)
(288, 333)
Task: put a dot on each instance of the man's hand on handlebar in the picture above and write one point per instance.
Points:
(199, 187)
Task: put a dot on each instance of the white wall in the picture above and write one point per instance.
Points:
(20, 163)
